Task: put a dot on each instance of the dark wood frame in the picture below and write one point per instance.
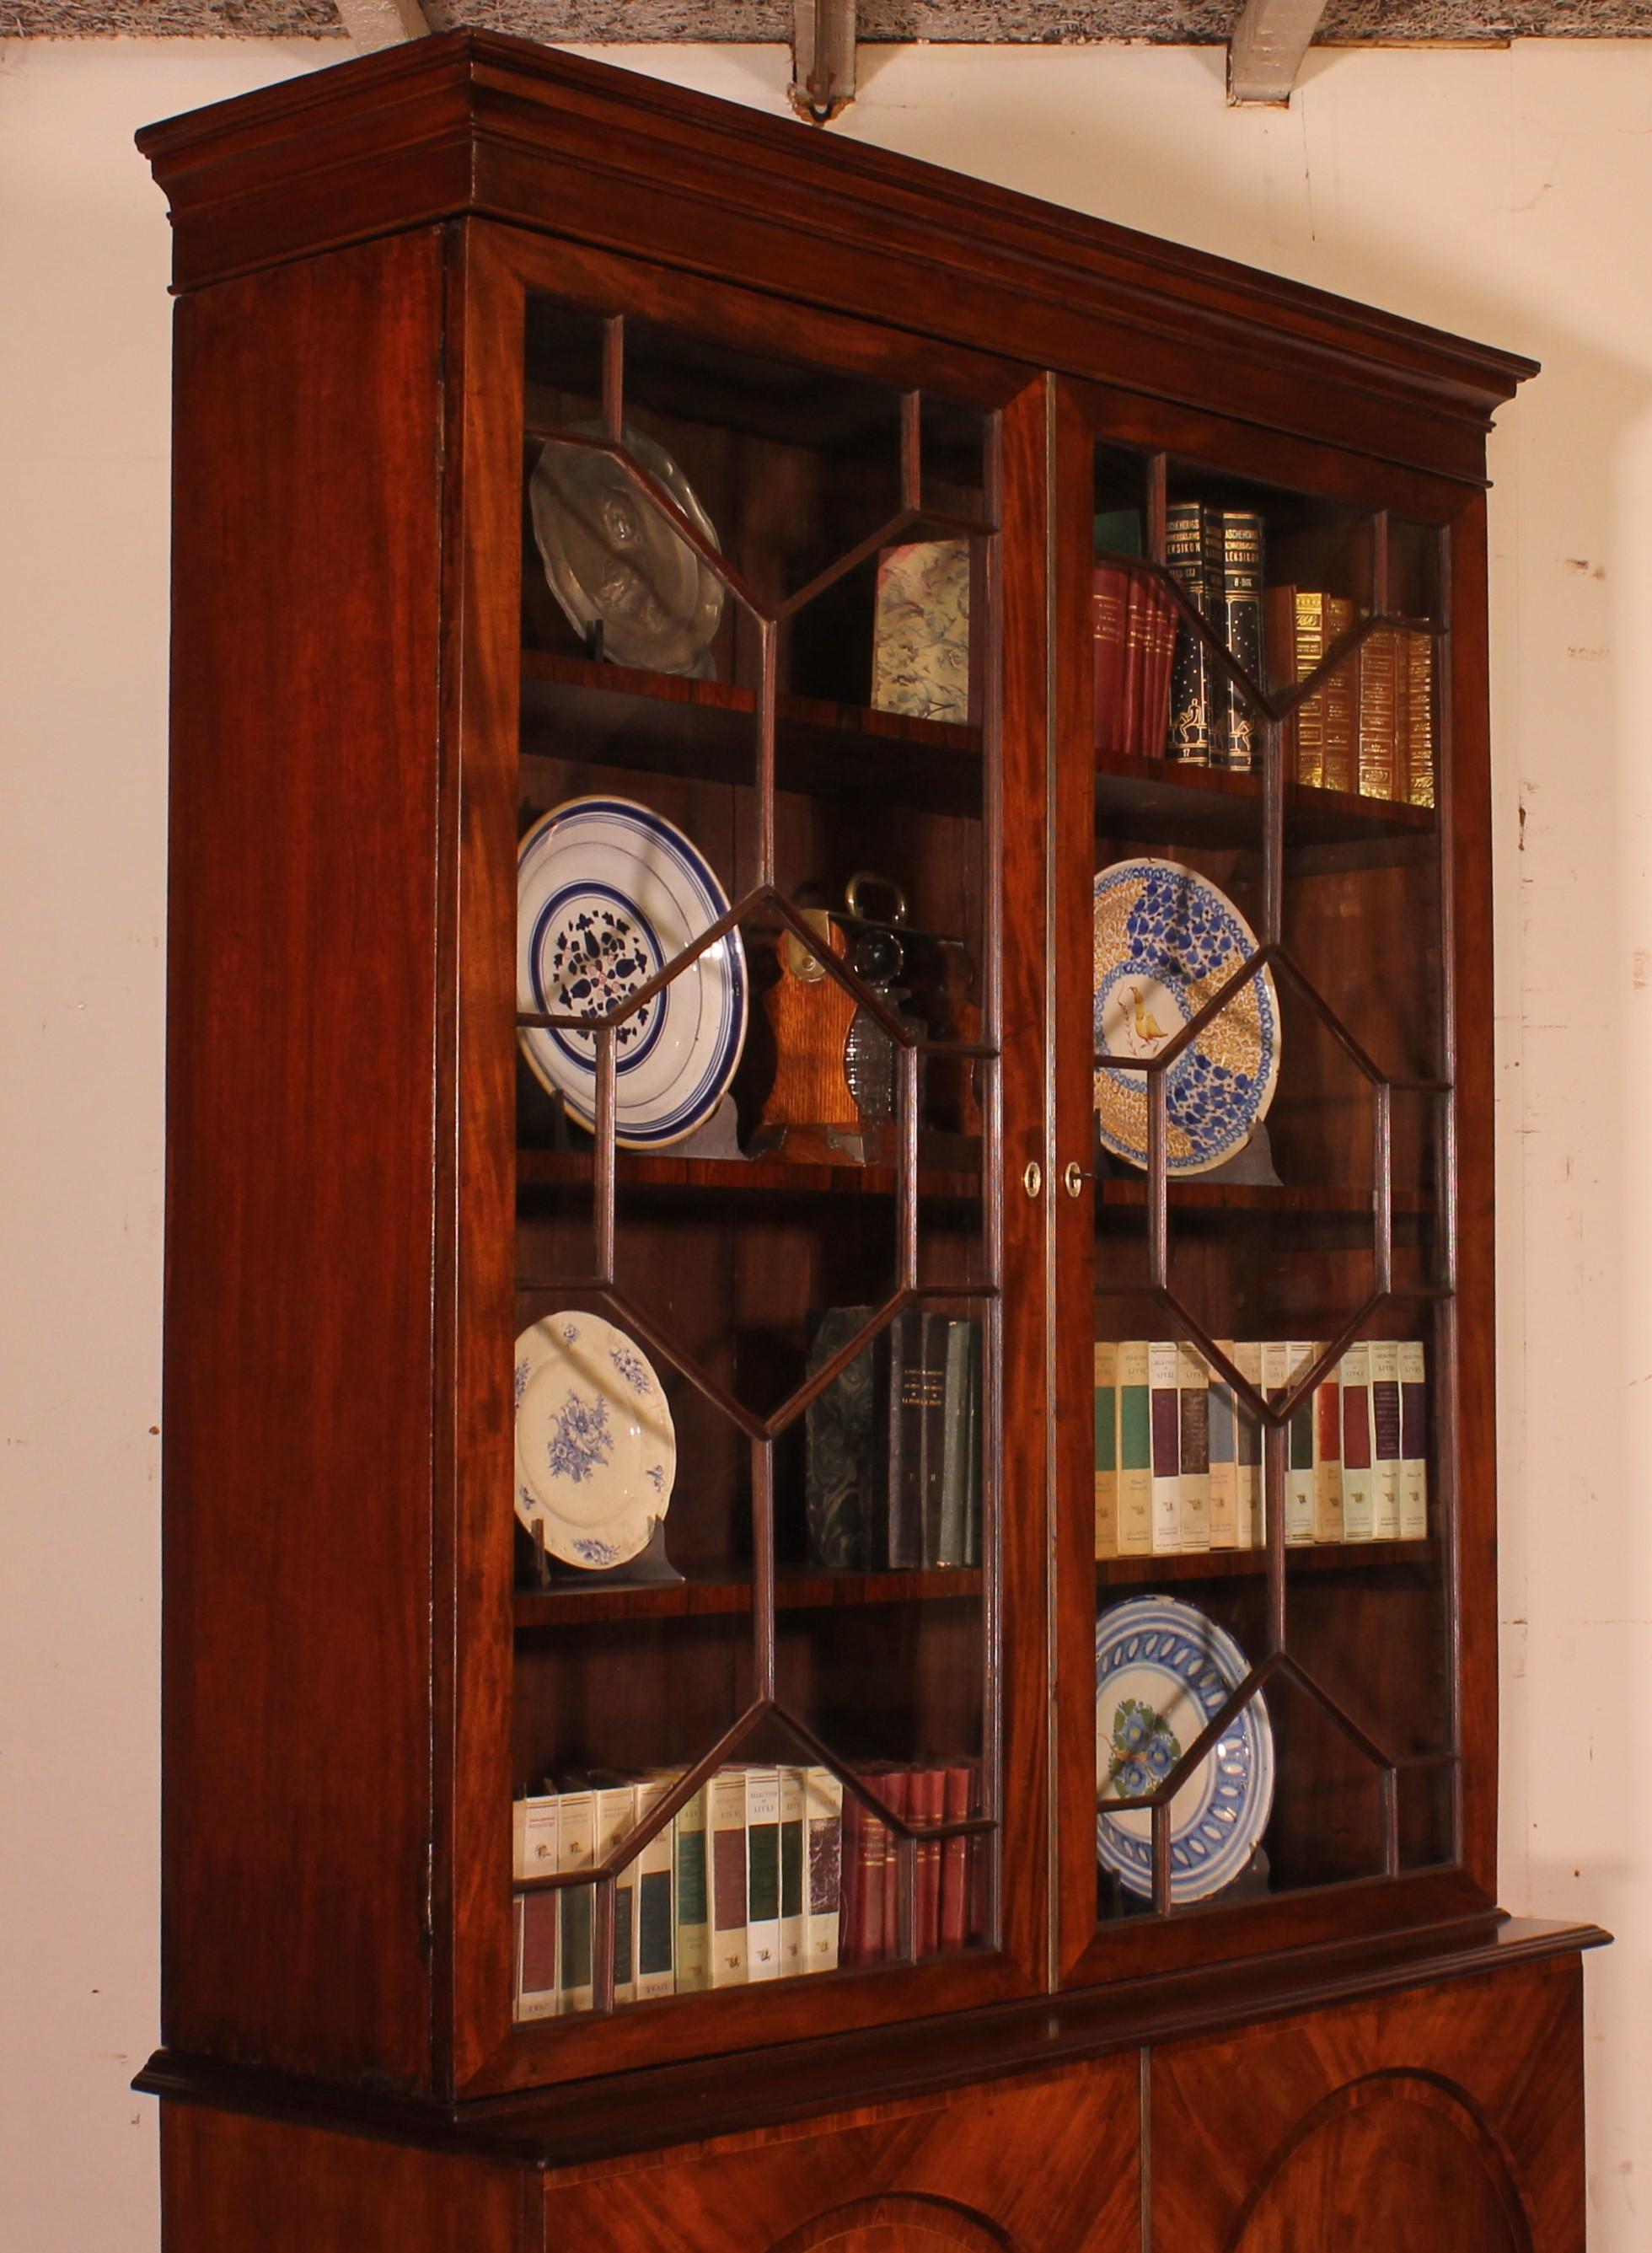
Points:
(341, 1952)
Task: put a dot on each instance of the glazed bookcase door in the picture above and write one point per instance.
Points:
(759, 1577)
(1263, 1259)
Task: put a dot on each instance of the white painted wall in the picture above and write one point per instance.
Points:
(1501, 193)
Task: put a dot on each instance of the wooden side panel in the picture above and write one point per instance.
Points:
(1044, 2165)
(300, 1099)
(1449, 2119)
(231, 2184)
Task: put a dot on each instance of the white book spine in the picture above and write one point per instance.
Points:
(792, 1876)
(1413, 1464)
(655, 1925)
(1135, 1450)
(691, 1874)
(1224, 1460)
(1359, 1485)
(823, 1808)
(1328, 1456)
(576, 1850)
(1164, 1379)
(615, 1814)
(726, 1831)
(1249, 1531)
(1385, 1429)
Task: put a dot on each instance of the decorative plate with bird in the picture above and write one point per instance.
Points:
(1165, 940)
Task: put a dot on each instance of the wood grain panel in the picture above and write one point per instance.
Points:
(1254, 2134)
(230, 2184)
(301, 1012)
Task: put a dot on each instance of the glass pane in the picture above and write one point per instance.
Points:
(757, 1352)
(1273, 1259)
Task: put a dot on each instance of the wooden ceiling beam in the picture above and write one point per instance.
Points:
(1266, 48)
(375, 24)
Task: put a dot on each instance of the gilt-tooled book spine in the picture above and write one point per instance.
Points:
(1379, 714)
(960, 1438)
(693, 1949)
(1108, 607)
(1296, 617)
(839, 1449)
(917, 1408)
(1135, 1450)
(1224, 1460)
(1385, 1440)
(823, 1813)
(1193, 1394)
(1106, 1367)
(1342, 699)
(926, 1801)
(1328, 1456)
(1413, 1442)
(1186, 542)
(1358, 1478)
(727, 1834)
(1242, 568)
(955, 1860)
(655, 1918)
(1164, 1373)
(896, 1786)
(1419, 719)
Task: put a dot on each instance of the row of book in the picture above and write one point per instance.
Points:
(893, 1445)
(767, 1872)
(1162, 693)
(1179, 1462)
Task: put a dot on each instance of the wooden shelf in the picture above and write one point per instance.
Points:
(736, 1176)
(709, 1589)
(1252, 1564)
(1265, 1198)
(1137, 797)
(579, 708)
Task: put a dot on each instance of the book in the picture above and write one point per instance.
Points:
(726, 1828)
(537, 1927)
(823, 1819)
(655, 1920)
(1281, 1364)
(914, 1414)
(576, 1850)
(1358, 1480)
(1110, 594)
(1106, 1369)
(1135, 1451)
(1250, 1526)
(840, 1454)
(764, 1955)
(1295, 619)
(692, 1949)
(1187, 542)
(1165, 1378)
(1418, 729)
(926, 1800)
(851, 1936)
(536, 1825)
(1328, 1456)
(896, 1785)
(1341, 696)
(1224, 1460)
(1413, 1443)
(921, 652)
(955, 1860)
(1378, 715)
(1385, 1436)
(1193, 1386)
(615, 1812)
(792, 1849)
(1241, 627)
(957, 1535)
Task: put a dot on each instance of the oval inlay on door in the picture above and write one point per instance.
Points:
(897, 2224)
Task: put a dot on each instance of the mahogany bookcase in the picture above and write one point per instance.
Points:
(398, 282)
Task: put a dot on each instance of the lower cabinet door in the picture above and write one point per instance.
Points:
(1044, 2164)
(1449, 2120)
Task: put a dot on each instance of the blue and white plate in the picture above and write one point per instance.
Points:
(595, 1449)
(607, 892)
(1163, 1670)
(1165, 940)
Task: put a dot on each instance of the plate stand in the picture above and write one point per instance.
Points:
(650, 1568)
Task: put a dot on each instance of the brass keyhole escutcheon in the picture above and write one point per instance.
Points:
(1073, 1179)
(1033, 1179)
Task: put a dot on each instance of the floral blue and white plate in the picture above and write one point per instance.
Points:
(595, 1450)
(606, 893)
(1163, 1670)
(1165, 941)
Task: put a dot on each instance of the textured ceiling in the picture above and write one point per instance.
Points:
(1053, 21)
